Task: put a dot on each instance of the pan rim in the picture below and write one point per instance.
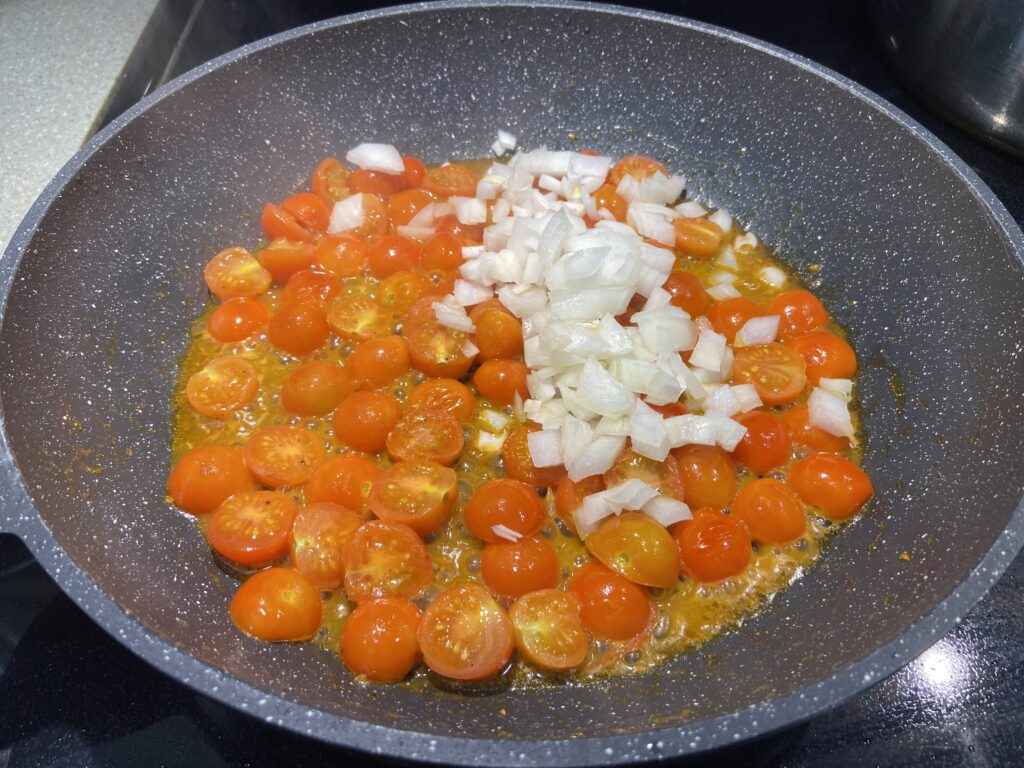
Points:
(763, 718)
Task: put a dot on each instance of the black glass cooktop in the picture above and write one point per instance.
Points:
(71, 696)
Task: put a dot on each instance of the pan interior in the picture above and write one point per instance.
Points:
(893, 239)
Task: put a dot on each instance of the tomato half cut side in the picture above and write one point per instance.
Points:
(505, 502)
(637, 547)
(465, 634)
(426, 436)
(330, 181)
(278, 605)
(345, 480)
(446, 396)
(386, 558)
(550, 633)
(777, 372)
(439, 351)
(252, 527)
(420, 494)
(637, 166)
(284, 456)
(318, 538)
(236, 273)
(359, 317)
(222, 387)
(451, 180)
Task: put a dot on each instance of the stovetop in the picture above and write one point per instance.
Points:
(70, 695)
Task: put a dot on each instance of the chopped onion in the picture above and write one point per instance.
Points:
(497, 149)
(589, 515)
(597, 458)
(631, 494)
(773, 276)
(690, 429)
(496, 420)
(830, 413)
(416, 233)
(709, 351)
(504, 532)
(347, 214)
(647, 434)
(745, 243)
(506, 140)
(467, 293)
(728, 433)
(721, 277)
(600, 392)
(723, 291)
(721, 400)
(667, 511)
(722, 218)
(613, 425)
(469, 210)
(691, 209)
(377, 157)
(588, 304)
(746, 396)
(576, 435)
(758, 330)
(545, 448)
(728, 259)
(841, 388)
(650, 224)
(488, 442)
(594, 166)
(453, 316)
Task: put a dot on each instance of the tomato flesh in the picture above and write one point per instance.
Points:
(420, 494)
(385, 558)
(637, 547)
(318, 537)
(549, 629)
(465, 635)
(252, 527)
(777, 372)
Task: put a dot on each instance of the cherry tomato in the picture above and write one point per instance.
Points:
(379, 639)
(315, 387)
(237, 320)
(511, 569)
(311, 286)
(687, 292)
(638, 166)
(402, 206)
(377, 362)
(799, 312)
(638, 547)
(342, 255)
(662, 475)
(415, 171)
(393, 253)
(309, 210)
(419, 494)
(834, 484)
(518, 464)
(283, 258)
(426, 436)
(439, 351)
(279, 224)
(709, 475)
(506, 502)
(777, 372)
(611, 605)
(797, 421)
(606, 197)
(235, 273)
(549, 630)
(403, 289)
(569, 496)
(446, 396)
(223, 386)
(319, 535)
(252, 527)
(697, 237)
(771, 511)
(441, 251)
(359, 317)
(363, 420)
(728, 316)
(465, 635)
(299, 329)
(330, 181)
(386, 558)
(501, 380)
(712, 546)
(204, 477)
(499, 335)
(376, 182)
(827, 356)
(419, 314)
(277, 605)
(467, 234)
(345, 480)
(451, 180)
(283, 456)
(766, 445)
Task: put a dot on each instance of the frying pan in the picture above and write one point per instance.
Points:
(912, 252)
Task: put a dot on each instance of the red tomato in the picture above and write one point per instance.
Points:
(569, 496)
(345, 480)
(235, 273)
(309, 210)
(465, 635)
(467, 234)
(771, 511)
(451, 180)
(363, 420)
(419, 494)
(252, 527)
(827, 355)
(319, 535)
(709, 475)
(833, 484)
(511, 569)
(439, 351)
(728, 316)
(283, 258)
(777, 372)
(311, 286)
(662, 475)
(506, 502)
(402, 206)
(518, 464)
(377, 362)
(421, 313)
(638, 547)
(766, 445)
(376, 182)
(403, 289)
(277, 223)
(342, 255)
(444, 395)
(224, 385)
(386, 558)
(283, 456)
(637, 166)
(277, 605)
(426, 436)
(315, 387)
(237, 320)
(359, 317)
(687, 292)
(501, 380)
(299, 329)
(611, 606)
(415, 171)
(606, 197)
(698, 237)
(330, 181)
(375, 218)
(799, 311)
(204, 477)
(379, 639)
(499, 335)
(393, 253)
(441, 251)
(712, 546)
(550, 633)
(797, 421)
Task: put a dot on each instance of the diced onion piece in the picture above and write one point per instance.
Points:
(841, 388)
(691, 209)
(601, 392)
(647, 434)
(496, 420)
(709, 351)
(545, 448)
(522, 303)
(721, 400)
(588, 304)
(690, 429)
(593, 166)
(723, 291)
(576, 435)
(469, 210)
(453, 316)
(746, 396)
(667, 511)
(745, 243)
(506, 140)
(376, 157)
(594, 509)
(828, 412)
(721, 277)
(497, 149)
(728, 433)
(631, 494)
(758, 330)
(651, 224)
(347, 214)
(727, 259)
(666, 329)
(610, 425)
(429, 214)
(722, 218)
(468, 293)
(416, 233)
(597, 458)
(506, 533)
(772, 276)
(488, 442)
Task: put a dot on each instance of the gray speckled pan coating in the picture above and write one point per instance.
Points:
(919, 260)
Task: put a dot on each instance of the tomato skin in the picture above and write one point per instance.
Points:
(404, 205)
(343, 255)
(771, 511)
(311, 286)
(252, 527)
(569, 496)
(637, 547)
(376, 182)
(606, 197)
(375, 218)
(511, 569)
(777, 372)
(687, 292)
(393, 253)
(439, 351)
(204, 477)
(364, 419)
(318, 537)
(415, 171)
(283, 456)
(441, 251)
(827, 356)
(315, 387)
(299, 329)
(309, 210)
(377, 362)
(549, 630)
(420, 314)
(499, 335)
(799, 312)
(709, 475)
(403, 289)
(444, 395)
(235, 273)
(385, 558)
(278, 224)
(728, 316)
(834, 484)
(712, 546)
(467, 234)
(237, 319)
(766, 445)
(501, 380)
(465, 635)
(330, 181)
(507, 502)
(518, 464)
(698, 237)
(426, 436)
(278, 605)
(222, 387)
(379, 641)
(419, 494)
(611, 606)
(452, 180)
(662, 475)
(638, 166)
(283, 258)
(344, 480)
(797, 421)
(359, 317)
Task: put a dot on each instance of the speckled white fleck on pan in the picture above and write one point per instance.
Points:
(918, 259)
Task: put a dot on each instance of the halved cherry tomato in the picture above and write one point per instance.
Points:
(420, 494)
(569, 496)
(441, 251)
(697, 237)
(827, 356)
(315, 387)
(637, 166)
(386, 558)
(342, 255)
(379, 641)
(420, 313)
(377, 362)
(442, 281)
(638, 547)
(402, 206)
(277, 605)
(519, 465)
(309, 210)
(771, 510)
(283, 258)
(451, 180)
(661, 475)
(439, 351)
(606, 197)
(501, 380)
(278, 224)
(499, 335)
(687, 292)
(393, 253)
(364, 419)
(319, 535)
(426, 436)
(415, 171)
(403, 289)
(444, 395)
(797, 421)
(252, 527)
(235, 273)
(359, 317)
(766, 445)
(376, 182)
(550, 632)
(799, 311)
(777, 372)
(204, 477)
(467, 234)
(712, 546)
(506, 502)
(728, 316)
(330, 181)
(611, 605)
(284, 456)
(237, 320)
(465, 635)
(299, 329)
(375, 218)
(513, 568)
(312, 286)
(833, 484)
(709, 475)
(345, 480)
(223, 386)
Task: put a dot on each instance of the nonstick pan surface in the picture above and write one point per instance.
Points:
(910, 250)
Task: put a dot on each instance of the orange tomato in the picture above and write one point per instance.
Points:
(611, 606)
(709, 475)
(771, 511)
(403, 289)
(712, 546)
(309, 285)
(277, 605)
(299, 329)
(766, 445)
(206, 476)
(376, 182)
(827, 356)
(637, 547)
(375, 218)
(278, 223)
(364, 419)
(499, 335)
(511, 569)
(283, 258)
(378, 362)
(465, 635)
(606, 197)
(519, 466)
(359, 317)
(330, 181)
(451, 180)
(309, 210)
(506, 502)
(569, 496)
(315, 387)
(637, 166)
(697, 237)
(345, 480)
(252, 527)
(501, 380)
(284, 456)
(444, 395)
(661, 475)
(419, 314)
(777, 372)
(393, 253)
(224, 385)
(419, 494)
(797, 421)
(415, 170)
(342, 255)
(799, 312)
(402, 206)
(318, 536)
(550, 633)
(426, 436)
(441, 251)
(379, 641)
(728, 316)
(439, 351)
(386, 558)
(687, 292)
(467, 234)
(833, 484)
(235, 273)
(237, 320)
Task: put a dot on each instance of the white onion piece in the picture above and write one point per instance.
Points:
(722, 218)
(660, 188)
(691, 209)
(496, 420)
(467, 293)
(347, 214)
(506, 140)
(647, 434)
(469, 210)
(709, 351)
(509, 534)
(597, 458)
(828, 412)
(758, 330)
(488, 442)
(745, 243)
(728, 433)
(487, 190)
(666, 329)
(522, 303)
(429, 214)
(549, 183)
(497, 149)
(594, 509)
(746, 396)
(631, 494)
(723, 291)
(615, 337)
(594, 166)
(667, 511)
(576, 435)
(545, 448)
(841, 388)
(416, 233)
(589, 304)
(690, 429)
(772, 276)
(612, 425)
(651, 224)
(600, 392)
(376, 157)
(721, 400)
(721, 277)
(728, 259)
(453, 316)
